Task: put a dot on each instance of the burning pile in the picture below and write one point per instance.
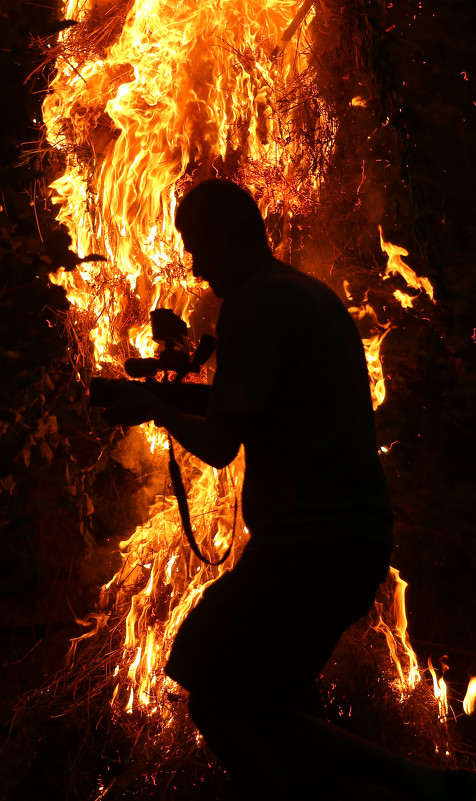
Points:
(148, 98)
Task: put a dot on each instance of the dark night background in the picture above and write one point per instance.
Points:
(423, 78)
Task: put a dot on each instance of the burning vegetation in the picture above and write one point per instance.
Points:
(146, 99)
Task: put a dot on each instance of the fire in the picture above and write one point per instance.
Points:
(393, 623)
(469, 702)
(395, 630)
(138, 111)
(372, 345)
(359, 101)
(440, 689)
(184, 88)
(396, 266)
(378, 332)
(174, 93)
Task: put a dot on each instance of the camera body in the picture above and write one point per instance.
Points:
(167, 328)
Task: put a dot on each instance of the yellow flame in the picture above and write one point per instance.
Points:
(396, 266)
(469, 702)
(372, 350)
(440, 690)
(184, 85)
(359, 101)
(395, 630)
(405, 300)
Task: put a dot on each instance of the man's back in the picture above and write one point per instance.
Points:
(291, 371)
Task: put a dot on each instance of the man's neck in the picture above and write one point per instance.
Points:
(245, 266)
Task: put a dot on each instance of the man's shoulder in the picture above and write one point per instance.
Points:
(279, 285)
(274, 302)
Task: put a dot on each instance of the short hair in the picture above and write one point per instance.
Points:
(221, 209)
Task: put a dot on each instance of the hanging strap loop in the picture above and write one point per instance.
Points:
(181, 496)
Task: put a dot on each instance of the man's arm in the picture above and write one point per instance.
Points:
(214, 438)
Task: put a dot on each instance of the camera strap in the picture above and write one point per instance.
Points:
(181, 496)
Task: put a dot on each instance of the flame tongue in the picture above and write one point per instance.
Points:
(440, 689)
(469, 703)
(396, 266)
(395, 631)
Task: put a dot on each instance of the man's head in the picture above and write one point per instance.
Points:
(222, 228)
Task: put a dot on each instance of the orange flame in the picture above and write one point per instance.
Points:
(372, 350)
(396, 266)
(440, 689)
(359, 101)
(469, 702)
(183, 85)
(395, 631)
(182, 91)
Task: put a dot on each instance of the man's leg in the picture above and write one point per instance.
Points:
(277, 756)
(240, 739)
(308, 744)
(229, 654)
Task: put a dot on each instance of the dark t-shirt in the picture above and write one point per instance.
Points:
(291, 373)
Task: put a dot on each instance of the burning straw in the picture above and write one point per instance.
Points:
(89, 752)
(139, 113)
(147, 99)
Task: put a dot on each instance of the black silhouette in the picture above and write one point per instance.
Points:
(292, 386)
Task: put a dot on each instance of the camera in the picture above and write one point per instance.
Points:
(171, 331)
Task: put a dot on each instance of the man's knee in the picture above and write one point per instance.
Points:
(197, 709)
(215, 719)
(216, 711)
(210, 710)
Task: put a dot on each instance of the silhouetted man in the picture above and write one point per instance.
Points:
(291, 384)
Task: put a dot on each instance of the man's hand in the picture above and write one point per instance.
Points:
(213, 439)
(134, 406)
